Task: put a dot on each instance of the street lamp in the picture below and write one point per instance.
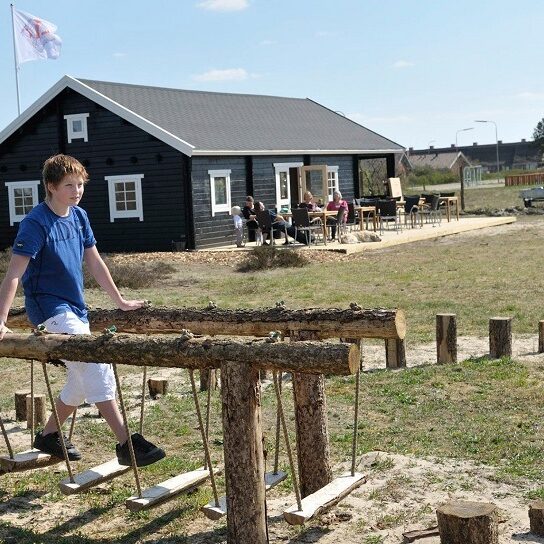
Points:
(461, 130)
(496, 140)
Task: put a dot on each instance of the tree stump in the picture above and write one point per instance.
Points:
(39, 410)
(466, 522)
(20, 404)
(536, 517)
(446, 338)
(157, 387)
(395, 353)
(208, 379)
(500, 337)
(541, 337)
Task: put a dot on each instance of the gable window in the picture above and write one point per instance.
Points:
(332, 180)
(76, 127)
(220, 190)
(22, 197)
(125, 195)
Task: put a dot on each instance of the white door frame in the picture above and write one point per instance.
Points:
(284, 167)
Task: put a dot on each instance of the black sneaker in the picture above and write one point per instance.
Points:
(50, 443)
(145, 452)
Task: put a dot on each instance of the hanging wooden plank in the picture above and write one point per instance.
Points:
(324, 499)
(354, 322)
(196, 352)
(214, 512)
(27, 460)
(160, 493)
(92, 477)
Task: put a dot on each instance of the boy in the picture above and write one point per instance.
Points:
(238, 225)
(53, 241)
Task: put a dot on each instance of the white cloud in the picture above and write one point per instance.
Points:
(231, 74)
(402, 64)
(223, 5)
(528, 95)
(119, 55)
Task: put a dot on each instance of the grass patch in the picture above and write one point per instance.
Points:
(268, 257)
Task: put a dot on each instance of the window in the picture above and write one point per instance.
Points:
(22, 197)
(125, 194)
(332, 180)
(76, 127)
(220, 190)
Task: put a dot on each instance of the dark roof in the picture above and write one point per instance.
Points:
(439, 161)
(215, 122)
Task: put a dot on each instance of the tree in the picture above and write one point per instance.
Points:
(538, 134)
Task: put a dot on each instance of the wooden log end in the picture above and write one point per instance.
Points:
(400, 322)
(536, 517)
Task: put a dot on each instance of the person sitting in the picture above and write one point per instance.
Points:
(279, 225)
(339, 205)
(249, 214)
(309, 203)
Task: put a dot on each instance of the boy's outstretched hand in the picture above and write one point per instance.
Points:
(127, 305)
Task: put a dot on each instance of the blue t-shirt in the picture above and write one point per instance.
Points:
(53, 281)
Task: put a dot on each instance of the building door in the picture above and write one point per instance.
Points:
(284, 172)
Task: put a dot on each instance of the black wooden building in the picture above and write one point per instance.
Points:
(166, 165)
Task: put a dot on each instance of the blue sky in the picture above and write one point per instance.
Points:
(416, 72)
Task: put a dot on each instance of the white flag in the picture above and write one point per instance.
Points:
(35, 38)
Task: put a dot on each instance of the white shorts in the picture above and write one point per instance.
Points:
(90, 382)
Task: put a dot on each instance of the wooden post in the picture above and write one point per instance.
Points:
(500, 337)
(446, 338)
(313, 452)
(464, 522)
(20, 404)
(244, 459)
(208, 379)
(395, 353)
(39, 410)
(536, 517)
(541, 337)
(157, 387)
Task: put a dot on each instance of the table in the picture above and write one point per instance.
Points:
(450, 201)
(371, 211)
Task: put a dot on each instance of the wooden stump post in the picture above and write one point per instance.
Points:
(500, 337)
(465, 522)
(446, 338)
(395, 353)
(157, 387)
(244, 459)
(541, 337)
(536, 517)
(207, 379)
(20, 404)
(313, 452)
(39, 410)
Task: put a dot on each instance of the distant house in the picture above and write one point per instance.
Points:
(166, 165)
(454, 161)
(521, 155)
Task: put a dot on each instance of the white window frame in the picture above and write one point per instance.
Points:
(77, 135)
(225, 207)
(11, 187)
(332, 175)
(280, 167)
(121, 214)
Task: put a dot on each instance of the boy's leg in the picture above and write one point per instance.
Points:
(63, 411)
(110, 412)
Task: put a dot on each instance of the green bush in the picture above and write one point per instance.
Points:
(425, 175)
(133, 275)
(266, 257)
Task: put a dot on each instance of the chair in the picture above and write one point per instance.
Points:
(300, 219)
(395, 188)
(431, 211)
(411, 209)
(369, 202)
(352, 216)
(387, 213)
(265, 223)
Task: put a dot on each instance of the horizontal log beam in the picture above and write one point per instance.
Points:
(326, 322)
(183, 352)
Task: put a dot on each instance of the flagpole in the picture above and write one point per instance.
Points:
(15, 61)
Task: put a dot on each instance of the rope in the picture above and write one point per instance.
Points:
(32, 408)
(355, 421)
(142, 404)
(127, 430)
(208, 401)
(278, 431)
(57, 421)
(287, 443)
(204, 440)
(6, 438)
(72, 424)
